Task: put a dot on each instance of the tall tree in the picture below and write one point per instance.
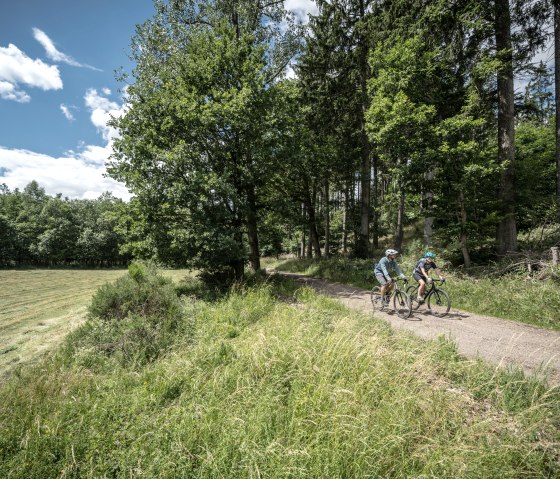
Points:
(196, 141)
(556, 7)
(507, 230)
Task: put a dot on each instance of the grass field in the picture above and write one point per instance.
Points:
(272, 381)
(39, 307)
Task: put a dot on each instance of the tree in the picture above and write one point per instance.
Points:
(507, 230)
(195, 142)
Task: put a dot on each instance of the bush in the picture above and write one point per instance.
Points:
(134, 320)
(142, 292)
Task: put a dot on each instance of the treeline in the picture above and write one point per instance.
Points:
(401, 116)
(401, 113)
(38, 229)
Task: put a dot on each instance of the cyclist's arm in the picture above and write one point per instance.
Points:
(383, 266)
(425, 273)
(439, 273)
(398, 270)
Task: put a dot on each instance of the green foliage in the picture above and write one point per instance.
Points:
(133, 320)
(143, 292)
(43, 230)
(197, 140)
(277, 389)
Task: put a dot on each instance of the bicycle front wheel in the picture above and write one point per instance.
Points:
(402, 304)
(438, 303)
(412, 292)
(375, 297)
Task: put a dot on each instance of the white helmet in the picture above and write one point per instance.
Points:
(391, 252)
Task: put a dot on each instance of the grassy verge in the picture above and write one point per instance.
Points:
(509, 297)
(274, 382)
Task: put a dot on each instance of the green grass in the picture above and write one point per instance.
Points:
(38, 307)
(510, 296)
(279, 382)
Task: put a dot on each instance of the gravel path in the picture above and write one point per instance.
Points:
(499, 341)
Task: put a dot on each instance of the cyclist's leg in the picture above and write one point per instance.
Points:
(384, 284)
(421, 285)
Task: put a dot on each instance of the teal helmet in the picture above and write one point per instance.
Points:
(429, 254)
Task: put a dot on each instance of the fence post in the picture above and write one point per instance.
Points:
(554, 255)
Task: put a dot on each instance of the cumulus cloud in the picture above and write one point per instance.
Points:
(102, 109)
(54, 54)
(66, 112)
(301, 9)
(71, 174)
(8, 91)
(16, 69)
(76, 174)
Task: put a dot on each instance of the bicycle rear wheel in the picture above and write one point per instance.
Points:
(438, 303)
(402, 304)
(412, 292)
(375, 296)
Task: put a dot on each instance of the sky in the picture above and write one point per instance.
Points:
(58, 89)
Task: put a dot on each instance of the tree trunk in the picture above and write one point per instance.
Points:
(400, 222)
(252, 231)
(463, 238)
(313, 222)
(303, 224)
(375, 202)
(345, 223)
(428, 218)
(557, 98)
(362, 250)
(507, 230)
(327, 220)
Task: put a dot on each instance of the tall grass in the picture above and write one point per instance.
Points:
(510, 296)
(274, 381)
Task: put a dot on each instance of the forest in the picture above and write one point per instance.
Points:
(248, 133)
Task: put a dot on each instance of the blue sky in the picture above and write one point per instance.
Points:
(58, 89)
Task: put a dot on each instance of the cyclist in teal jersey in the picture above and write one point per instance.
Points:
(420, 273)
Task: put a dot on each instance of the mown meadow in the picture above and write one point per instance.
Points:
(269, 380)
(38, 307)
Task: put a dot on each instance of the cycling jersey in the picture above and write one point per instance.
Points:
(423, 263)
(384, 265)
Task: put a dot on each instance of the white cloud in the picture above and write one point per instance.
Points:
(16, 68)
(301, 9)
(102, 109)
(76, 174)
(54, 54)
(66, 112)
(72, 175)
(8, 91)
(106, 91)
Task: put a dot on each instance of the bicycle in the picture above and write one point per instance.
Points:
(401, 301)
(436, 299)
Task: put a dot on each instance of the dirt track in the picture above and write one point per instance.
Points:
(499, 341)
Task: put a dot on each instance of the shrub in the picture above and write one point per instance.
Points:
(142, 292)
(133, 320)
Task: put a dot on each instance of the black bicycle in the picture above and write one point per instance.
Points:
(436, 299)
(401, 301)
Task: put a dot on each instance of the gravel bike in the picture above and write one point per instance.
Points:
(436, 299)
(401, 301)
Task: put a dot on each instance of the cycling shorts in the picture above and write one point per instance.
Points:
(419, 276)
(381, 278)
